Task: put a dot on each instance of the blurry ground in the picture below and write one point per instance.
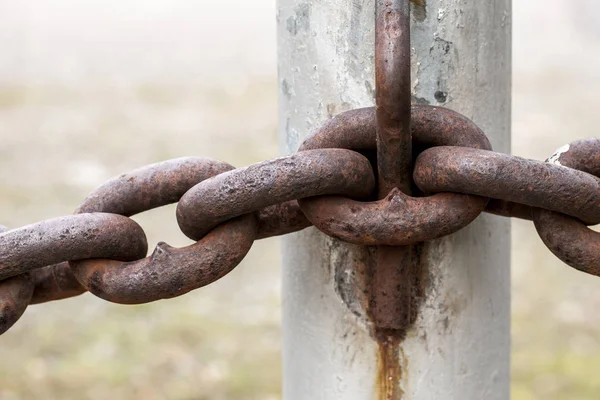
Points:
(89, 89)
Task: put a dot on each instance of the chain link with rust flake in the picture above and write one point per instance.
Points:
(354, 179)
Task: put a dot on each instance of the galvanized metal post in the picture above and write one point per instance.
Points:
(459, 345)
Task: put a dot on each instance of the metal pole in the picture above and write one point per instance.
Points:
(459, 346)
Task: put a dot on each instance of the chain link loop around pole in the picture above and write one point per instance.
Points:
(398, 219)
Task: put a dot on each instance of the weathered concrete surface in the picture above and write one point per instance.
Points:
(459, 348)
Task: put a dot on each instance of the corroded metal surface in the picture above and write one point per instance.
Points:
(570, 240)
(392, 96)
(73, 237)
(430, 126)
(15, 294)
(170, 272)
(568, 237)
(249, 189)
(227, 209)
(426, 217)
(394, 221)
(151, 186)
(392, 279)
(142, 189)
(506, 177)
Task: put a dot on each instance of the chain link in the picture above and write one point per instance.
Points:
(563, 233)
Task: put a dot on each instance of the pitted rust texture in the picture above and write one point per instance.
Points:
(265, 194)
(15, 294)
(389, 368)
(151, 186)
(40, 285)
(73, 237)
(393, 95)
(430, 126)
(421, 218)
(170, 272)
(188, 268)
(390, 305)
(166, 182)
(249, 189)
(505, 177)
(568, 237)
(570, 240)
(396, 220)
(583, 155)
(128, 194)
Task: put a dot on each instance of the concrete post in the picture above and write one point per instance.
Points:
(459, 347)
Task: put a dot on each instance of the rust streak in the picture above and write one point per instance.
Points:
(389, 368)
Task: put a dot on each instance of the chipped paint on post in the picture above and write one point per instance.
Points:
(459, 345)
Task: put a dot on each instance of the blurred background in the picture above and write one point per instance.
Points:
(90, 89)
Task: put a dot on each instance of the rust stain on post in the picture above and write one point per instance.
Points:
(389, 368)
(392, 367)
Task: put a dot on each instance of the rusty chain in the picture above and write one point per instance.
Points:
(391, 176)
(328, 183)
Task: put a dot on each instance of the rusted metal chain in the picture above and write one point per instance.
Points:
(26, 252)
(15, 294)
(328, 183)
(396, 220)
(151, 186)
(249, 189)
(74, 237)
(568, 237)
(168, 272)
(356, 130)
(505, 177)
(222, 206)
(353, 221)
(392, 96)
